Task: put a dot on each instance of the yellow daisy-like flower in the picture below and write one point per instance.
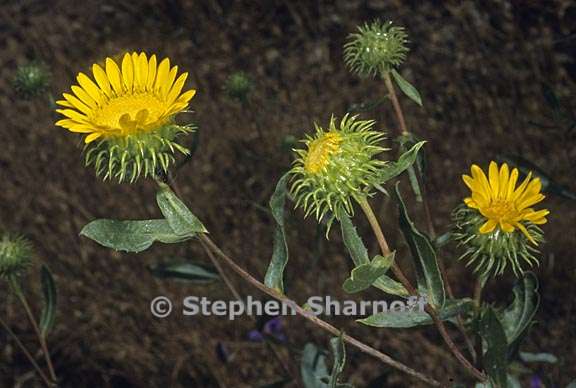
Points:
(501, 203)
(137, 96)
(127, 112)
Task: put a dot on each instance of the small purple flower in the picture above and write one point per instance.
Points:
(536, 382)
(273, 328)
(255, 336)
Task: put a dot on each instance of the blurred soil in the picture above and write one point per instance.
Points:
(482, 69)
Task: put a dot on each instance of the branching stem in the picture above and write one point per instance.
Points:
(314, 319)
(384, 247)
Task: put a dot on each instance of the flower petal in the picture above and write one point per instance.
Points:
(128, 72)
(151, 73)
(101, 79)
(90, 87)
(176, 89)
(494, 176)
(488, 227)
(114, 76)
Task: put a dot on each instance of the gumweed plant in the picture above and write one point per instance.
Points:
(126, 113)
(16, 258)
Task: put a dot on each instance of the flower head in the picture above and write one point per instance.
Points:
(15, 255)
(498, 225)
(502, 204)
(375, 49)
(337, 165)
(127, 114)
(31, 80)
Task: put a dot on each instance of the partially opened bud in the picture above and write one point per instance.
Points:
(338, 164)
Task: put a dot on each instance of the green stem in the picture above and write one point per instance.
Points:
(384, 247)
(18, 291)
(428, 213)
(314, 319)
(26, 353)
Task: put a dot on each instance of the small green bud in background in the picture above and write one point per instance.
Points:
(31, 80)
(239, 86)
(15, 255)
(375, 49)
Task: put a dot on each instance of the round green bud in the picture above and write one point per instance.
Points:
(15, 255)
(31, 80)
(337, 165)
(492, 253)
(238, 86)
(375, 49)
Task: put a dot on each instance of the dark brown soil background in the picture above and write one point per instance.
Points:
(481, 68)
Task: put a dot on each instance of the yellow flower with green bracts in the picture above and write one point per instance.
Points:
(498, 226)
(128, 110)
(337, 165)
(504, 205)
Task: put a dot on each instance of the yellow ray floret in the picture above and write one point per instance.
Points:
(503, 204)
(136, 96)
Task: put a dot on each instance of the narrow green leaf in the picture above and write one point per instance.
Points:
(407, 88)
(275, 274)
(180, 218)
(517, 317)
(187, 271)
(48, 316)
(494, 359)
(363, 276)
(339, 354)
(353, 242)
(359, 255)
(427, 271)
(407, 159)
(417, 317)
(130, 236)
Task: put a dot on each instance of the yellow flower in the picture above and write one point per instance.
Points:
(501, 203)
(139, 96)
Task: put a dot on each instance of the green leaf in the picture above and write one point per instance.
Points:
(417, 317)
(427, 271)
(179, 217)
(359, 255)
(538, 357)
(48, 316)
(186, 271)
(407, 159)
(313, 367)
(363, 276)
(517, 317)
(353, 242)
(275, 274)
(494, 359)
(130, 236)
(339, 354)
(407, 88)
